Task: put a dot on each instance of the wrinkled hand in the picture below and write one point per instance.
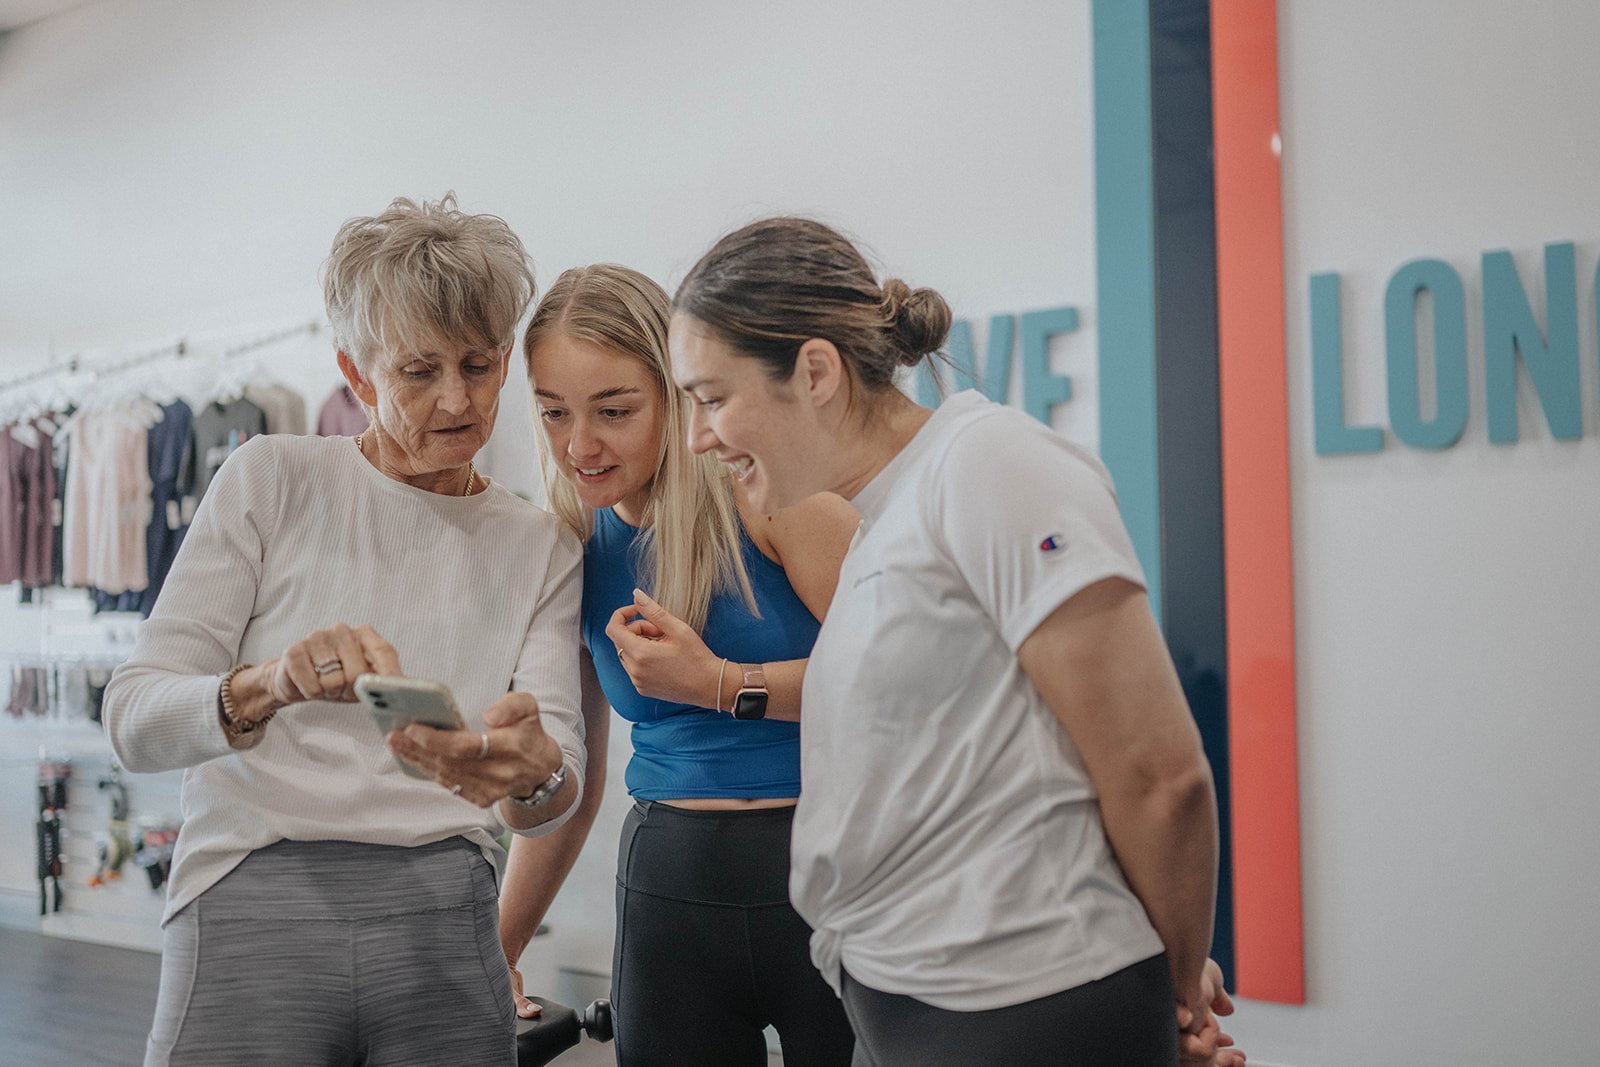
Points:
(520, 756)
(325, 664)
(1201, 1041)
(526, 1009)
(664, 657)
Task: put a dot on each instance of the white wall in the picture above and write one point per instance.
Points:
(176, 167)
(1445, 602)
(173, 167)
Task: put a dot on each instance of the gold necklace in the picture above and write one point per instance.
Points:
(472, 470)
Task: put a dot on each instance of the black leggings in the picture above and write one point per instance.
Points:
(1126, 1019)
(709, 950)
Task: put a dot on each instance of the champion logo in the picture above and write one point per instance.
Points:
(1053, 542)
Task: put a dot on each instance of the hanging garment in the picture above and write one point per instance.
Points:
(30, 691)
(27, 485)
(128, 600)
(285, 408)
(12, 458)
(63, 448)
(171, 443)
(218, 430)
(38, 505)
(342, 414)
(82, 475)
(108, 503)
(72, 692)
(98, 678)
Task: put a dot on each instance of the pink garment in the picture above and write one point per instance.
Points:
(107, 504)
(342, 414)
(38, 499)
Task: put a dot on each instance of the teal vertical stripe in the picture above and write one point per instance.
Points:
(1126, 278)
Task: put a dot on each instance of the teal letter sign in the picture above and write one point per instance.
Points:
(1327, 376)
(1510, 330)
(1449, 354)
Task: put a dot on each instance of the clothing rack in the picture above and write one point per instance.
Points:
(177, 349)
(245, 348)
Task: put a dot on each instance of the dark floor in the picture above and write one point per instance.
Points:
(71, 1004)
(66, 1002)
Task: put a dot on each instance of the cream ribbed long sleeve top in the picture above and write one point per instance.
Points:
(297, 534)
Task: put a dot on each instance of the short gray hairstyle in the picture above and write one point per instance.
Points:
(421, 275)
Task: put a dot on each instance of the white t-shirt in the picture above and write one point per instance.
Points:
(948, 843)
(297, 534)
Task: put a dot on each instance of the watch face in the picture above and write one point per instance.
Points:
(750, 704)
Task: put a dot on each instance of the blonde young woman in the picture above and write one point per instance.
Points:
(707, 670)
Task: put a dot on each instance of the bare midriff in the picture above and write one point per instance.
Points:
(729, 803)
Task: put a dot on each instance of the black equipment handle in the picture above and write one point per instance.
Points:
(558, 1028)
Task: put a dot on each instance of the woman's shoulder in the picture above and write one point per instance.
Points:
(986, 435)
(294, 451)
(256, 456)
(822, 524)
(317, 464)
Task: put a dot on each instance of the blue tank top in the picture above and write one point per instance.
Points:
(680, 750)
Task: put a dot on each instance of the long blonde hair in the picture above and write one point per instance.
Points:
(689, 534)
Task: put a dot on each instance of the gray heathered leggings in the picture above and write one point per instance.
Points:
(328, 952)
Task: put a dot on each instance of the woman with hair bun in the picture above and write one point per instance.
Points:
(1006, 839)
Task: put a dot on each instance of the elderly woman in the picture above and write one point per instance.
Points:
(324, 907)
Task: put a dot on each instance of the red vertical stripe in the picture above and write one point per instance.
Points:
(1255, 503)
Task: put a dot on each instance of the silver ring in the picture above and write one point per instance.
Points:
(455, 790)
(327, 666)
(483, 750)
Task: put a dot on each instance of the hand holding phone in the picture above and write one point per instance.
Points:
(396, 702)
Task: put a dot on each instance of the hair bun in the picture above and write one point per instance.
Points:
(918, 320)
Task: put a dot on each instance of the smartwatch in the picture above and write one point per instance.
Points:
(751, 700)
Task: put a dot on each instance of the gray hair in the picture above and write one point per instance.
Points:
(421, 275)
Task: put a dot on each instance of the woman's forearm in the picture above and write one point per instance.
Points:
(160, 720)
(1164, 835)
(252, 698)
(1100, 663)
(784, 681)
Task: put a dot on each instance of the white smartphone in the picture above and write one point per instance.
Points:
(396, 702)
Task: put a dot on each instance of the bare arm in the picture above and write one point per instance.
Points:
(668, 661)
(538, 866)
(1100, 663)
